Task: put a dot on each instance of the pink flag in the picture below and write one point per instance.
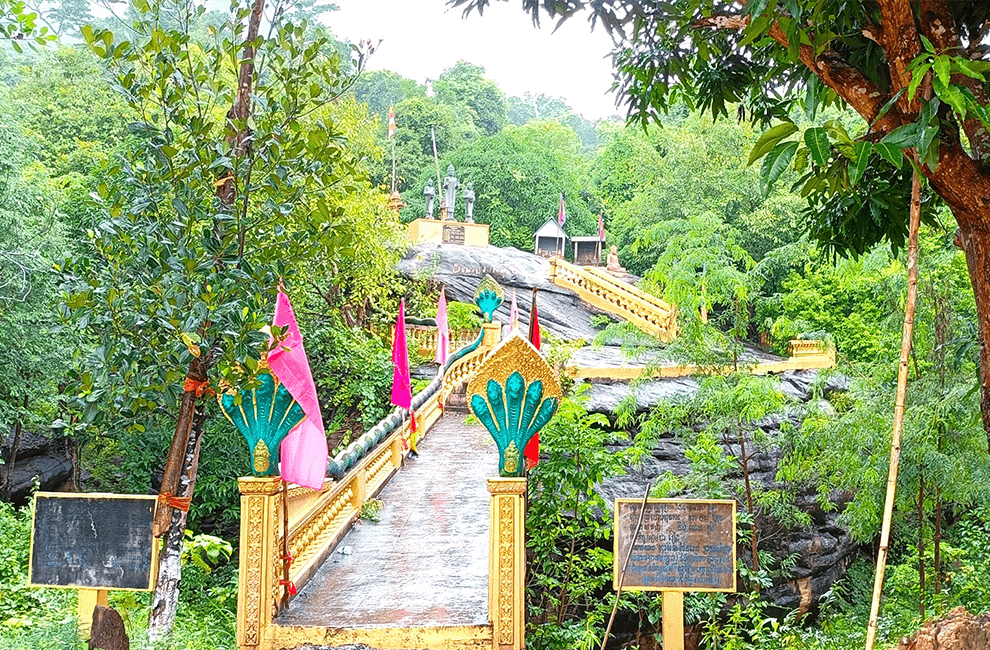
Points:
(601, 226)
(513, 313)
(443, 332)
(401, 384)
(561, 213)
(304, 450)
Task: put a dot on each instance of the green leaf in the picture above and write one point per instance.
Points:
(861, 158)
(770, 139)
(903, 136)
(775, 163)
(916, 78)
(964, 66)
(891, 153)
(942, 64)
(818, 145)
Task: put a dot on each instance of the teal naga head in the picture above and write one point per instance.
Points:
(514, 395)
(488, 296)
(264, 415)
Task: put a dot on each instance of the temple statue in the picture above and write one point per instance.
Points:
(450, 186)
(469, 203)
(429, 193)
(612, 262)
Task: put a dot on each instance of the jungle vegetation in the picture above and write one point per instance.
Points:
(142, 239)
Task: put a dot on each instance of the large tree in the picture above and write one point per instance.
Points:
(913, 69)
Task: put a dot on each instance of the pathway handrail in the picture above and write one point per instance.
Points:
(318, 519)
(600, 290)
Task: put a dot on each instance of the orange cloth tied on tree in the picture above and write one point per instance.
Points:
(198, 387)
(179, 503)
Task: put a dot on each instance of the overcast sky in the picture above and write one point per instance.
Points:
(421, 38)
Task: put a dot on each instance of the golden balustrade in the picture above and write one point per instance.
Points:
(601, 290)
(424, 338)
(804, 355)
(318, 520)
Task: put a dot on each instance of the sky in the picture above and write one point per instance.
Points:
(421, 38)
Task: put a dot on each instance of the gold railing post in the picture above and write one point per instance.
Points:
(507, 562)
(259, 564)
(493, 333)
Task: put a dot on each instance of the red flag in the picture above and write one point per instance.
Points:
(601, 227)
(392, 127)
(532, 451)
(561, 213)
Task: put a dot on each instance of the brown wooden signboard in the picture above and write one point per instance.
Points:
(682, 545)
(452, 234)
(93, 541)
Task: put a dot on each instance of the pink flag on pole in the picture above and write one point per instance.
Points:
(561, 212)
(401, 383)
(304, 451)
(443, 332)
(601, 226)
(513, 313)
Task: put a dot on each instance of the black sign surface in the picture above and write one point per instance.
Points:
(93, 541)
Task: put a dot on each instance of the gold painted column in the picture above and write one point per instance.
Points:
(493, 334)
(260, 559)
(507, 563)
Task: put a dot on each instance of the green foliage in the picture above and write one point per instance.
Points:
(205, 551)
(18, 25)
(371, 510)
(465, 85)
(353, 367)
(566, 532)
(462, 316)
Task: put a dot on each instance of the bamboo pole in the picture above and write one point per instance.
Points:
(902, 375)
(625, 562)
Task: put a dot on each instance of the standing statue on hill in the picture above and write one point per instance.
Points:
(450, 186)
(469, 203)
(429, 193)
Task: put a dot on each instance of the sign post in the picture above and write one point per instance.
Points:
(681, 545)
(93, 543)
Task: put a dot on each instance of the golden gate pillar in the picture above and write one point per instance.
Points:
(507, 563)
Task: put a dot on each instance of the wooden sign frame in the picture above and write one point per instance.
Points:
(151, 500)
(619, 549)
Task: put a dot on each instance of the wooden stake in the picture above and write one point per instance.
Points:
(902, 375)
(625, 562)
(285, 543)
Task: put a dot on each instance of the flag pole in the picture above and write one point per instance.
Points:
(436, 159)
(393, 165)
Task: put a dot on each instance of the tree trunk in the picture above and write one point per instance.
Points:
(975, 241)
(178, 480)
(165, 601)
(754, 542)
(183, 459)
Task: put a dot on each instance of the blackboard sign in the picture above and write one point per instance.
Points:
(93, 541)
(682, 545)
(453, 234)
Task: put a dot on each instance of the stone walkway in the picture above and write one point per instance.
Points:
(426, 562)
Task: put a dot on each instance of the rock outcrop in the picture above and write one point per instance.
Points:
(461, 268)
(824, 549)
(35, 459)
(959, 630)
